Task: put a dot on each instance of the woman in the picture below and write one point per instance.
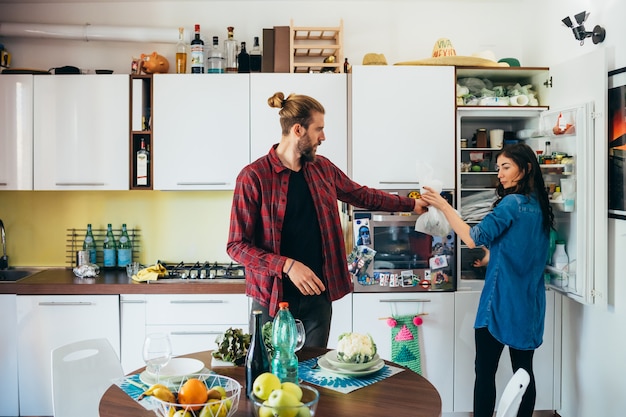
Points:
(512, 304)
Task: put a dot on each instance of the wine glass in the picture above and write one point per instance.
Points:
(301, 334)
(157, 352)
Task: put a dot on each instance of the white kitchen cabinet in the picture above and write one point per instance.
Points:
(341, 321)
(436, 334)
(194, 321)
(402, 126)
(132, 330)
(546, 362)
(201, 130)
(47, 322)
(329, 89)
(81, 132)
(16, 132)
(8, 356)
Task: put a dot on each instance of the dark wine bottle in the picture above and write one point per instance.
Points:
(243, 60)
(257, 359)
(197, 53)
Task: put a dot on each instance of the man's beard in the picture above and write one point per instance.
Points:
(306, 149)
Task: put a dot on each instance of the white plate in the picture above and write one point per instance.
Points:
(174, 371)
(327, 366)
(331, 357)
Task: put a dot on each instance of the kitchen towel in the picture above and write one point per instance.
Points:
(341, 383)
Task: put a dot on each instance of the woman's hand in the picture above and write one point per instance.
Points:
(433, 198)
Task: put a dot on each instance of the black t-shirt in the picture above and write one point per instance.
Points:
(301, 236)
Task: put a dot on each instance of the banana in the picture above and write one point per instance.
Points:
(161, 392)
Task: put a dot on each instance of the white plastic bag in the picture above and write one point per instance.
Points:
(433, 222)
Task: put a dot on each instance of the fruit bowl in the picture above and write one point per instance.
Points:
(310, 398)
(186, 391)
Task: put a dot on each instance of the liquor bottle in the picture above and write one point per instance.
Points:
(89, 244)
(216, 58)
(109, 249)
(181, 53)
(346, 66)
(197, 53)
(243, 60)
(124, 249)
(256, 59)
(143, 158)
(284, 339)
(230, 51)
(257, 359)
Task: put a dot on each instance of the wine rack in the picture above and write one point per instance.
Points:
(311, 46)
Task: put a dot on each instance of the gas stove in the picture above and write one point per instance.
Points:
(202, 270)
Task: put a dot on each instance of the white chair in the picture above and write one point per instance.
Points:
(81, 373)
(513, 393)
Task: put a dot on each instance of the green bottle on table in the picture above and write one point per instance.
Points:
(89, 244)
(124, 249)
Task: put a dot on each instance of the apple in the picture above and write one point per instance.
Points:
(264, 384)
(221, 390)
(182, 413)
(214, 408)
(265, 410)
(292, 388)
(284, 402)
(304, 411)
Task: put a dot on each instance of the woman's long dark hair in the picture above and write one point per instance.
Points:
(530, 183)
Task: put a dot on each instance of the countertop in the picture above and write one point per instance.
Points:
(62, 281)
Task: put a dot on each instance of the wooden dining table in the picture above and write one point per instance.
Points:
(403, 394)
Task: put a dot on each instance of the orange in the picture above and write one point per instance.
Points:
(193, 392)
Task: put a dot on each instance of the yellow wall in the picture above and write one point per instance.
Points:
(175, 226)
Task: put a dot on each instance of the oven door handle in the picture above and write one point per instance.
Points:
(394, 217)
(404, 300)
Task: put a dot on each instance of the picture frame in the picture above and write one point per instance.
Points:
(616, 122)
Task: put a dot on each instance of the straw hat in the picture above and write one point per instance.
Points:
(374, 59)
(445, 54)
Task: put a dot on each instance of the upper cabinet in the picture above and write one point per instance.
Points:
(403, 126)
(201, 130)
(16, 132)
(329, 89)
(81, 132)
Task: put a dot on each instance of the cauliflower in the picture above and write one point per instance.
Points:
(355, 348)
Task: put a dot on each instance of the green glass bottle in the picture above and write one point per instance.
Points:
(124, 249)
(109, 249)
(89, 244)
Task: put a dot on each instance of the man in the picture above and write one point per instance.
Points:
(285, 226)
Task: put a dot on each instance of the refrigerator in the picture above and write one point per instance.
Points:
(574, 124)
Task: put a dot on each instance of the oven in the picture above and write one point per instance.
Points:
(389, 255)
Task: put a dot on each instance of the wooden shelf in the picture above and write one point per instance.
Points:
(309, 47)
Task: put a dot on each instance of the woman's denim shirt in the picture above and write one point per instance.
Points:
(513, 301)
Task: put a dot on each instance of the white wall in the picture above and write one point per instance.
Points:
(593, 339)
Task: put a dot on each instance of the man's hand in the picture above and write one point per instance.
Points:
(420, 206)
(305, 279)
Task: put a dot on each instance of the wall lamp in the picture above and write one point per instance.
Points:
(580, 33)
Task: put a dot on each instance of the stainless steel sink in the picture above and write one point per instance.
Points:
(15, 274)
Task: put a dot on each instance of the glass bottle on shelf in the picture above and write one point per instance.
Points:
(197, 53)
(181, 53)
(243, 60)
(109, 249)
(124, 249)
(143, 159)
(216, 58)
(346, 66)
(89, 244)
(256, 59)
(230, 51)
(257, 359)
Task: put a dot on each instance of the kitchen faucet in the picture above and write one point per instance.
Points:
(4, 261)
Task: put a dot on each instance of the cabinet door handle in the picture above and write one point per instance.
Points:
(88, 184)
(66, 303)
(133, 301)
(400, 182)
(405, 300)
(201, 183)
(197, 301)
(193, 333)
(3, 184)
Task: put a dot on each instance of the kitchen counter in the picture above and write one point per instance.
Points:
(62, 281)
